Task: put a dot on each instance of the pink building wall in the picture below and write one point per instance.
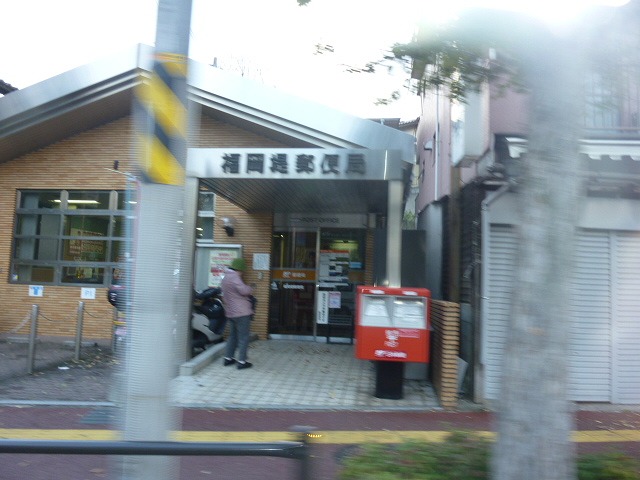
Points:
(507, 114)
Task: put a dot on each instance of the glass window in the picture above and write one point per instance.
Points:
(119, 251)
(32, 274)
(36, 248)
(119, 225)
(352, 241)
(601, 111)
(206, 216)
(58, 240)
(86, 225)
(206, 202)
(204, 229)
(82, 275)
(88, 200)
(33, 224)
(126, 199)
(40, 199)
(84, 250)
(294, 249)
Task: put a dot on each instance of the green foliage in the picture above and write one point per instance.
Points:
(463, 456)
(608, 466)
(461, 57)
(409, 221)
(499, 46)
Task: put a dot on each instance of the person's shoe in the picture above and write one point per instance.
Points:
(242, 365)
(228, 361)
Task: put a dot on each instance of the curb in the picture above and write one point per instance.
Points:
(203, 359)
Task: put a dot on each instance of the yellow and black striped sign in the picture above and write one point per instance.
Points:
(163, 134)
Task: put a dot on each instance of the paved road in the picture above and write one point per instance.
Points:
(88, 381)
(339, 434)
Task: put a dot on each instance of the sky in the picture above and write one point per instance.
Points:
(272, 41)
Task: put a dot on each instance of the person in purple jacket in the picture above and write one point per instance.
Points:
(236, 296)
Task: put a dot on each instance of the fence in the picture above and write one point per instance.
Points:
(33, 319)
(445, 317)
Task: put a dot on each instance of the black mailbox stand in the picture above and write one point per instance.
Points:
(389, 380)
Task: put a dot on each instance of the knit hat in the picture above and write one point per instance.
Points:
(238, 264)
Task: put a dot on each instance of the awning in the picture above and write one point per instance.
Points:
(289, 180)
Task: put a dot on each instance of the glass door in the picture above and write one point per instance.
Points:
(341, 267)
(305, 262)
(293, 273)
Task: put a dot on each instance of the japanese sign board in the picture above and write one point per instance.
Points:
(334, 266)
(294, 274)
(295, 163)
(219, 260)
(322, 308)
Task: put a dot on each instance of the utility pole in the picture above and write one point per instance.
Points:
(158, 278)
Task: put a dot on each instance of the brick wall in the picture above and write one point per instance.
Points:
(369, 257)
(81, 162)
(253, 232)
(445, 320)
(78, 162)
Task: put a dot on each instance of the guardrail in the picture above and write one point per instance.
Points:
(298, 450)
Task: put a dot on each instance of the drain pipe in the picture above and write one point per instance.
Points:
(480, 326)
(436, 147)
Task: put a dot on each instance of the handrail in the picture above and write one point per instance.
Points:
(298, 450)
(283, 449)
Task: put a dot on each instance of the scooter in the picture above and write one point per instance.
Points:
(207, 319)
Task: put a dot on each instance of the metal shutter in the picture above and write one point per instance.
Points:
(590, 306)
(626, 317)
(503, 249)
(604, 363)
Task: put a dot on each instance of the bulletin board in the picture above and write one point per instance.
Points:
(211, 261)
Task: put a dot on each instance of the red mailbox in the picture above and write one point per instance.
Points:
(392, 324)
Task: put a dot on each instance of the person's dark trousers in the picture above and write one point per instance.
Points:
(240, 328)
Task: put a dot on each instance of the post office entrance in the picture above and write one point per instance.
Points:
(306, 261)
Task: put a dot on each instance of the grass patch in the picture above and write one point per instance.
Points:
(463, 456)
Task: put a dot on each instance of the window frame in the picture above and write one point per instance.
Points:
(63, 212)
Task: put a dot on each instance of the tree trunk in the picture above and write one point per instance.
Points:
(535, 418)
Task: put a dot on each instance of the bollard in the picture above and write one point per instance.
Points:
(33, 333)
(79, 330)
(113, 328)
(304, 436)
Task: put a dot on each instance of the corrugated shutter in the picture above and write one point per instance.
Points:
(604, 363)
(503, 249)
(590, 307)
(626, 323)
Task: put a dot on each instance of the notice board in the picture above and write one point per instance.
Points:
(211, 261)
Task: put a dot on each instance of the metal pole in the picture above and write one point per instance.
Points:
(33, 333)
(290, 450)
(304, 453)
(161, 107)
(79, 330)
(394, 233)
